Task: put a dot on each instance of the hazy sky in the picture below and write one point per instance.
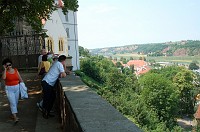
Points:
(109, 23)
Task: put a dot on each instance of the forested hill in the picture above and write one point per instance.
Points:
(179, 48)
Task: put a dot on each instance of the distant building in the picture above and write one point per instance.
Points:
(140, 66)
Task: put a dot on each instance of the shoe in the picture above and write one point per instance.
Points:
(52, 111)
(16, 121)
(51, 115)
(11, 117)
(45, 115)
(39, 107)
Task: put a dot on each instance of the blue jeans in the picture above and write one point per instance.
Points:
(49, 95)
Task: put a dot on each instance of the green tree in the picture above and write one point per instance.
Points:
(184, 82)
(168, 72)
(115, 58)
(115, 81)
(193, 66)
(131, 58)
(88, 67)
(160, 95)
(83, 52)
(195, 61)
(96, 67)
(121, 58)
(124, 61)
(132, 68)
(122, 91)
(104, 65)
(118, 65)
(31, 11)
(152, 62)
(140, 58)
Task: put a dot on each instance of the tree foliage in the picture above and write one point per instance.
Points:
(118, 65)
(83, 52)
(184, 82)
(151, 103)
(96, 67)
(193, 66)
(168, 72)
(160, 95)
(191, 48)
(31, 11)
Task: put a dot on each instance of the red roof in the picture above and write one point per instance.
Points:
(145, 69)
(140, 66)
(137, 63)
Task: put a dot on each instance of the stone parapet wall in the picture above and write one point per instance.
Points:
(67, 117)
(84, 110)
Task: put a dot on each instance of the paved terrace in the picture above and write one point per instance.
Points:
(77, 109)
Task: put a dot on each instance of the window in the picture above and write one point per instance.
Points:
(66, 17)
(60, 44)
(68, 47)
(41, 42)
(49, 45)
(67, 30)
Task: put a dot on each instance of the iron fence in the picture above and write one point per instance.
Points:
(23, 50)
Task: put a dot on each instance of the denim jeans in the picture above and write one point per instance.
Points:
(49, 96)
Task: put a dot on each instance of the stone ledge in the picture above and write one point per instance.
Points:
(92, 112)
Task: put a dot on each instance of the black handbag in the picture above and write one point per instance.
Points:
(42, 71)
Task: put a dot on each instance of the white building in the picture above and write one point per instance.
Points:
(63, 35)
(69, 22)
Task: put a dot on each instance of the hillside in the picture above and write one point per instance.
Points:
(179, 48)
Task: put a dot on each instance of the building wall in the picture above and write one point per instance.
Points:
(69, 22)
(56, 32)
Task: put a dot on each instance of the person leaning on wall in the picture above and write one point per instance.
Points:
(12, 79)
(49, 94)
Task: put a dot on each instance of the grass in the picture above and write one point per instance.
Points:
(186, 59)
(173, 59)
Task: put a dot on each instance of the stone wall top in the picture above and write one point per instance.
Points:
(93, 113)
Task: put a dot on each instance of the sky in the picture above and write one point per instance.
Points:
(111, 23)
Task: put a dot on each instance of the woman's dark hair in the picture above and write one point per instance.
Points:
(7, 60)
(44, 58)
(62, 58)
